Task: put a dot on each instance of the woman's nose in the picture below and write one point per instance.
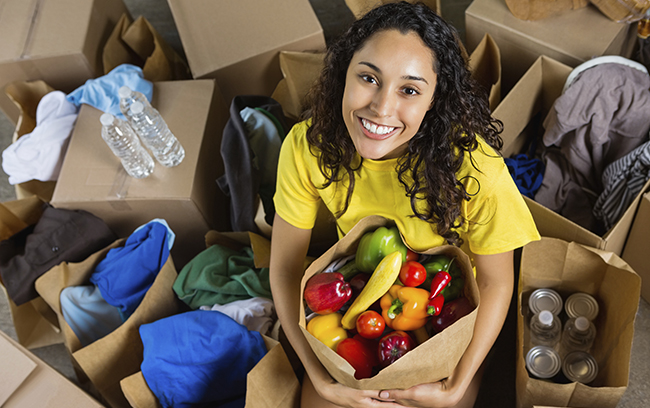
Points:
(383, 103)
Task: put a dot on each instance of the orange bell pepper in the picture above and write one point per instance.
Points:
(405, 308)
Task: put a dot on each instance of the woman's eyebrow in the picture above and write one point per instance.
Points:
(407, 77)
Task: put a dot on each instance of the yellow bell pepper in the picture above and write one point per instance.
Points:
(327, 328)
(405, 308)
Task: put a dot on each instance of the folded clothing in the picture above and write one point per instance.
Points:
(126, 273)
(199, 358)
(101, 93)
(60, 235)
(38, 155)
(220, 275)
(87, 313)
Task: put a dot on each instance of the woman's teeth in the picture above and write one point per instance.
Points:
(379, 130)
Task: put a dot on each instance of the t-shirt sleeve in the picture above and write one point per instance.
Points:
(296, 198)
(498, 218)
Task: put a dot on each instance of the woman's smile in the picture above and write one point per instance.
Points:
(377, 131)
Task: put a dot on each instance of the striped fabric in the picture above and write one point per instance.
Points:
(623, 180)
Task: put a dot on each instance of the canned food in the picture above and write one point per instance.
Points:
(545, 299)
(580, 366)
(581, 304)
(543, 362)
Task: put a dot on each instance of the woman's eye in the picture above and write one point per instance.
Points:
(368, 78)
(411, 91)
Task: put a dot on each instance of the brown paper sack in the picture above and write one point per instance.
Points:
(485, 65)
(540, 9)
(300, 71)
(361, 7)
(35, 322)
(623, 11)
(26, 95)
(568, 268)
(138, 43)
(430, 361)
(119, 354)
(272, 383)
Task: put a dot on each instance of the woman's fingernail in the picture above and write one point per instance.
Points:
(384, 394)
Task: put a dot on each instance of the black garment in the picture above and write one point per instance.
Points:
(59, 236)
(241, 181)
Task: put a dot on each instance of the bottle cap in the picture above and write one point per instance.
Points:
(124, 91)
(137, 107)
(546, 317)
(582, 323)
(106, 119)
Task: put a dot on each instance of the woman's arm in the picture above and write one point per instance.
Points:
(495, 278)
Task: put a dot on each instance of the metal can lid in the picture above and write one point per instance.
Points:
(581, 304)
(580, 366)
(543, 362)
(545, 299)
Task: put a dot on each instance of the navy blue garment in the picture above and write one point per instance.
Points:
(199, 358)
(528, 174)
(127, 273)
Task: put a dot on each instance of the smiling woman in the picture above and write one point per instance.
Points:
(396, 127)
(388, 89)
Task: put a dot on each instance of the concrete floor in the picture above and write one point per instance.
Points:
(498, 387)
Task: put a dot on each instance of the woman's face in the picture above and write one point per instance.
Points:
(389, 87)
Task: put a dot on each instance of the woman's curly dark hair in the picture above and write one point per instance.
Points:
(459, 113)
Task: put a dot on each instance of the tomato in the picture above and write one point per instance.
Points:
(370, 324)
(394, 346)
(358, 355)
(412, 274)
(411, 256)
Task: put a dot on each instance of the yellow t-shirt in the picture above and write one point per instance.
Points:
(498, 219)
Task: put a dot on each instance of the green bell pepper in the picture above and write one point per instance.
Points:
(375, 245)
(439, 263)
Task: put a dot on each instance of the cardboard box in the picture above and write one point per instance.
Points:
(238, 41)
(568, 268)
(186, 196)
(572, 37)
(58, 41)
(637, 245)
(522, 112)
(27, 381)
(433, 359)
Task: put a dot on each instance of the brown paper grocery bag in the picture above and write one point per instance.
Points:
(568, 268)
(26, 95)
(430, 361)
(118, 355)
(361, 7)
(138, 43)
(540, 9)
(485, 65)
(35, 322)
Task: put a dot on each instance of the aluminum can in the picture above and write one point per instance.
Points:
(581, 304)
(543, 362)
(545, 299)
(580, 366)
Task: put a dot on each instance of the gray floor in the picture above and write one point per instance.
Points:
(498, 386)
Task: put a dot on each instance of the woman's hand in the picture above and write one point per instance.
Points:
(429, 395)
(333, 394)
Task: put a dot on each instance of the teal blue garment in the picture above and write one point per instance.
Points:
(220, 275)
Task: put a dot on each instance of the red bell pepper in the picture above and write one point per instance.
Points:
(359, 355)
(435, 305)
(394, 346)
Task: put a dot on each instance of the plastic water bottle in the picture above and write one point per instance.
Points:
(545, 329)
(578, 335)
(125, 144)
(128, 96)
(155, 134)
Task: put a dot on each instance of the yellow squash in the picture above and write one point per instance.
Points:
(381, 280)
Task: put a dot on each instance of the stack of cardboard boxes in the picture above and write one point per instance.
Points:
(233, 48)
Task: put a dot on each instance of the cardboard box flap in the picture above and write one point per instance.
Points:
(16, 25)
(271, 24)
(26, 381)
